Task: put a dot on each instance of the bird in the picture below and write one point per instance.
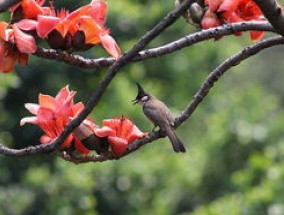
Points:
(160, 115)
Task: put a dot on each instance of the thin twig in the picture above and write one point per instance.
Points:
(179, 44)
(221, 69)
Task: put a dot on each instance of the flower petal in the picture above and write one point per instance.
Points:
(30, 119)
(47, 101)
(118, 145)
(104, 131)
(45, 115)
(256, 35)
(91, 29)
(32, 108)
(228, 5)
(210, 20)
(126, 127)
(3, 32)
(27, 24)
(110, 46)
(45, 139)
(99, 11)
(80, 147)
(214, 4)
(25, 43)
(63, 94)
(31, 9)
(135, 134)
(77, 108)
(46, 24)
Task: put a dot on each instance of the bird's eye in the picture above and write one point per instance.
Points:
(144, 98)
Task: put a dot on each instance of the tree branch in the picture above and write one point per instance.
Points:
(213, 77)
(135, 54)
(125, 59)
(95, 97)
(273, 12)
(221, 69)
(179, 44)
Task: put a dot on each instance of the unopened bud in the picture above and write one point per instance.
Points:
(196, 13)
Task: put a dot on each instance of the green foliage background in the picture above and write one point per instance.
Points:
(235, 144)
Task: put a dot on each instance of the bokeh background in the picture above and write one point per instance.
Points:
(234, 163)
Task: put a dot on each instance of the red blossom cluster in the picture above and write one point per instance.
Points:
(119, 132)
(77, 30)
(232, 11)
(212, 13)
(53, 114)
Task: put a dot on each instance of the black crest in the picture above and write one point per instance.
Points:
(140, 94)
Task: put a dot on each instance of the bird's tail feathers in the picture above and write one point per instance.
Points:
(176, 142)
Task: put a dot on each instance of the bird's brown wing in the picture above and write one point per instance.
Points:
(159, 116)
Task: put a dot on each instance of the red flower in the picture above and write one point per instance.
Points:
(228, 11)
(119, 132)
(15, 44)
(83, 27)
(52, 116)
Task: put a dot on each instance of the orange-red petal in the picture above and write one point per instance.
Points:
(91, 30)
(31, 9)
(110, 46)
(46, 24)
(118, 145)
(3, 33)
(256, 35)
(47, 101)
(99, 11)
(27, 24)
(80, 147)
(104, 131)
(25, 42)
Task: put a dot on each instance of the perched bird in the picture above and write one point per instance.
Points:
(160, 115)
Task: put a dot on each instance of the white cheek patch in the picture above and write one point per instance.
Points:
(144, 98)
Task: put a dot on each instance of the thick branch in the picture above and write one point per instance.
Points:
(30, 150)
(72, 59)
(181, 43)
(197, 99)
(273, 12)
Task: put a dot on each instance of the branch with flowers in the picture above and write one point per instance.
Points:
(66, 128)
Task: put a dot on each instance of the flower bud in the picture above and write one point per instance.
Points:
(196, 13)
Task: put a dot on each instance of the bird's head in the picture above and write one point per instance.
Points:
(142, 96)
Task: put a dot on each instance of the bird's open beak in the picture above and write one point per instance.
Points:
(135, 101)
